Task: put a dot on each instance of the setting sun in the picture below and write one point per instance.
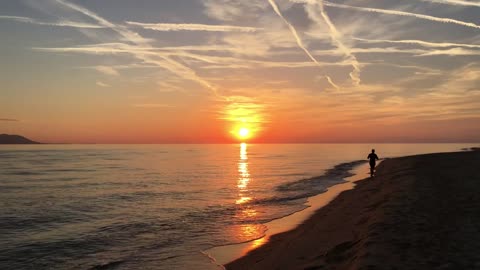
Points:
(243, 133)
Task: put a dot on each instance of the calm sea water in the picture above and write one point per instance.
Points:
(158, 206)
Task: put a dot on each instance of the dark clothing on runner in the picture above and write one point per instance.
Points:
(372, 157)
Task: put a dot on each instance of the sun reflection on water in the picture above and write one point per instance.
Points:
(244, 176)
(258, 242)
(247, 212)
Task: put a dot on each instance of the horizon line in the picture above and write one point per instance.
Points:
(172, 143)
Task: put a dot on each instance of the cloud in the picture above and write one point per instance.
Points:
(116, 48)
(91, 50)
(451, 52)
(245, 110)
(149, 55)
(266, 64)
(101, 84)
(152, 105)
(193, 27)
(121, 30)
(9, 120)
(107, 70)
(133, 37)
(454, 2)
(59, 23)
(388, 50)
(403, 13)
(336, 37)
(292, 30)
(217, 61)
(332, 83)
(234, 10)
(419, 42)
(297, 37)
(415, 52)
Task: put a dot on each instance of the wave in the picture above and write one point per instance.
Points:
(287, 198)
(307, 187)
(337, 174)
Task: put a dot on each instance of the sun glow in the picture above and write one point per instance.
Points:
(246, 120)
(243, 133)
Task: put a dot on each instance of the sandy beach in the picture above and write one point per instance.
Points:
(418, 212)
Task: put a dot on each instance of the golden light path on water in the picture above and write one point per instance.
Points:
(244, 176)
(247, 212)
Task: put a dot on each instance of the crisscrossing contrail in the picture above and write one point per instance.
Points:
(297, 38)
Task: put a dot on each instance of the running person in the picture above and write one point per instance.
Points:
(373, 158)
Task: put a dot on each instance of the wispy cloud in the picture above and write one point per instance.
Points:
(193, 27)
(136, 39)
(8, 120)
(102, 84)
(121, 30)
(404, 13)
(419, 42)
(107, 70)
(280, 60)
(153, 105)
(455, 2)
(332, 83)
(415, 52)
(63, 23)
(451, 52)
(221, 61)
(336, 37)
(388, 50)
(292, 30)
(115, 48)
(297, 37)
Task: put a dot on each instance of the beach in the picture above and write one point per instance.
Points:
(417, 212)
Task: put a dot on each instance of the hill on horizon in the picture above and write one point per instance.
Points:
(15, 139)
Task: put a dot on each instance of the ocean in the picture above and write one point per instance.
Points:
(159, 206)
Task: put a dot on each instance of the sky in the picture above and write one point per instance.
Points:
(203, 71)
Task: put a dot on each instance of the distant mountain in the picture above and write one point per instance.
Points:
(15, 139)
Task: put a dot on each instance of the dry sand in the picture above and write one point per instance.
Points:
(418, 212)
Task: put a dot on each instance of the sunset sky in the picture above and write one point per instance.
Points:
(199, 71)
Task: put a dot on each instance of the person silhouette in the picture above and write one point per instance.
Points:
(373, 158)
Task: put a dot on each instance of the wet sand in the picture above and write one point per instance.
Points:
(418, 212)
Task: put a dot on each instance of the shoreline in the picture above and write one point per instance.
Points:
(418, 212)
(222, 255)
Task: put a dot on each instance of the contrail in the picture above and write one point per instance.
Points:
(124, 32)
(419, 42)
(87, 13)
(454, 2)
(193, 27)
(403, 13)
(133, 37)
(451, 52)
(336, 37)
(297, 37)
(292, 29)
(332, 83)
(59, 23)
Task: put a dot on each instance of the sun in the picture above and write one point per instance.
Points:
(243, 133)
